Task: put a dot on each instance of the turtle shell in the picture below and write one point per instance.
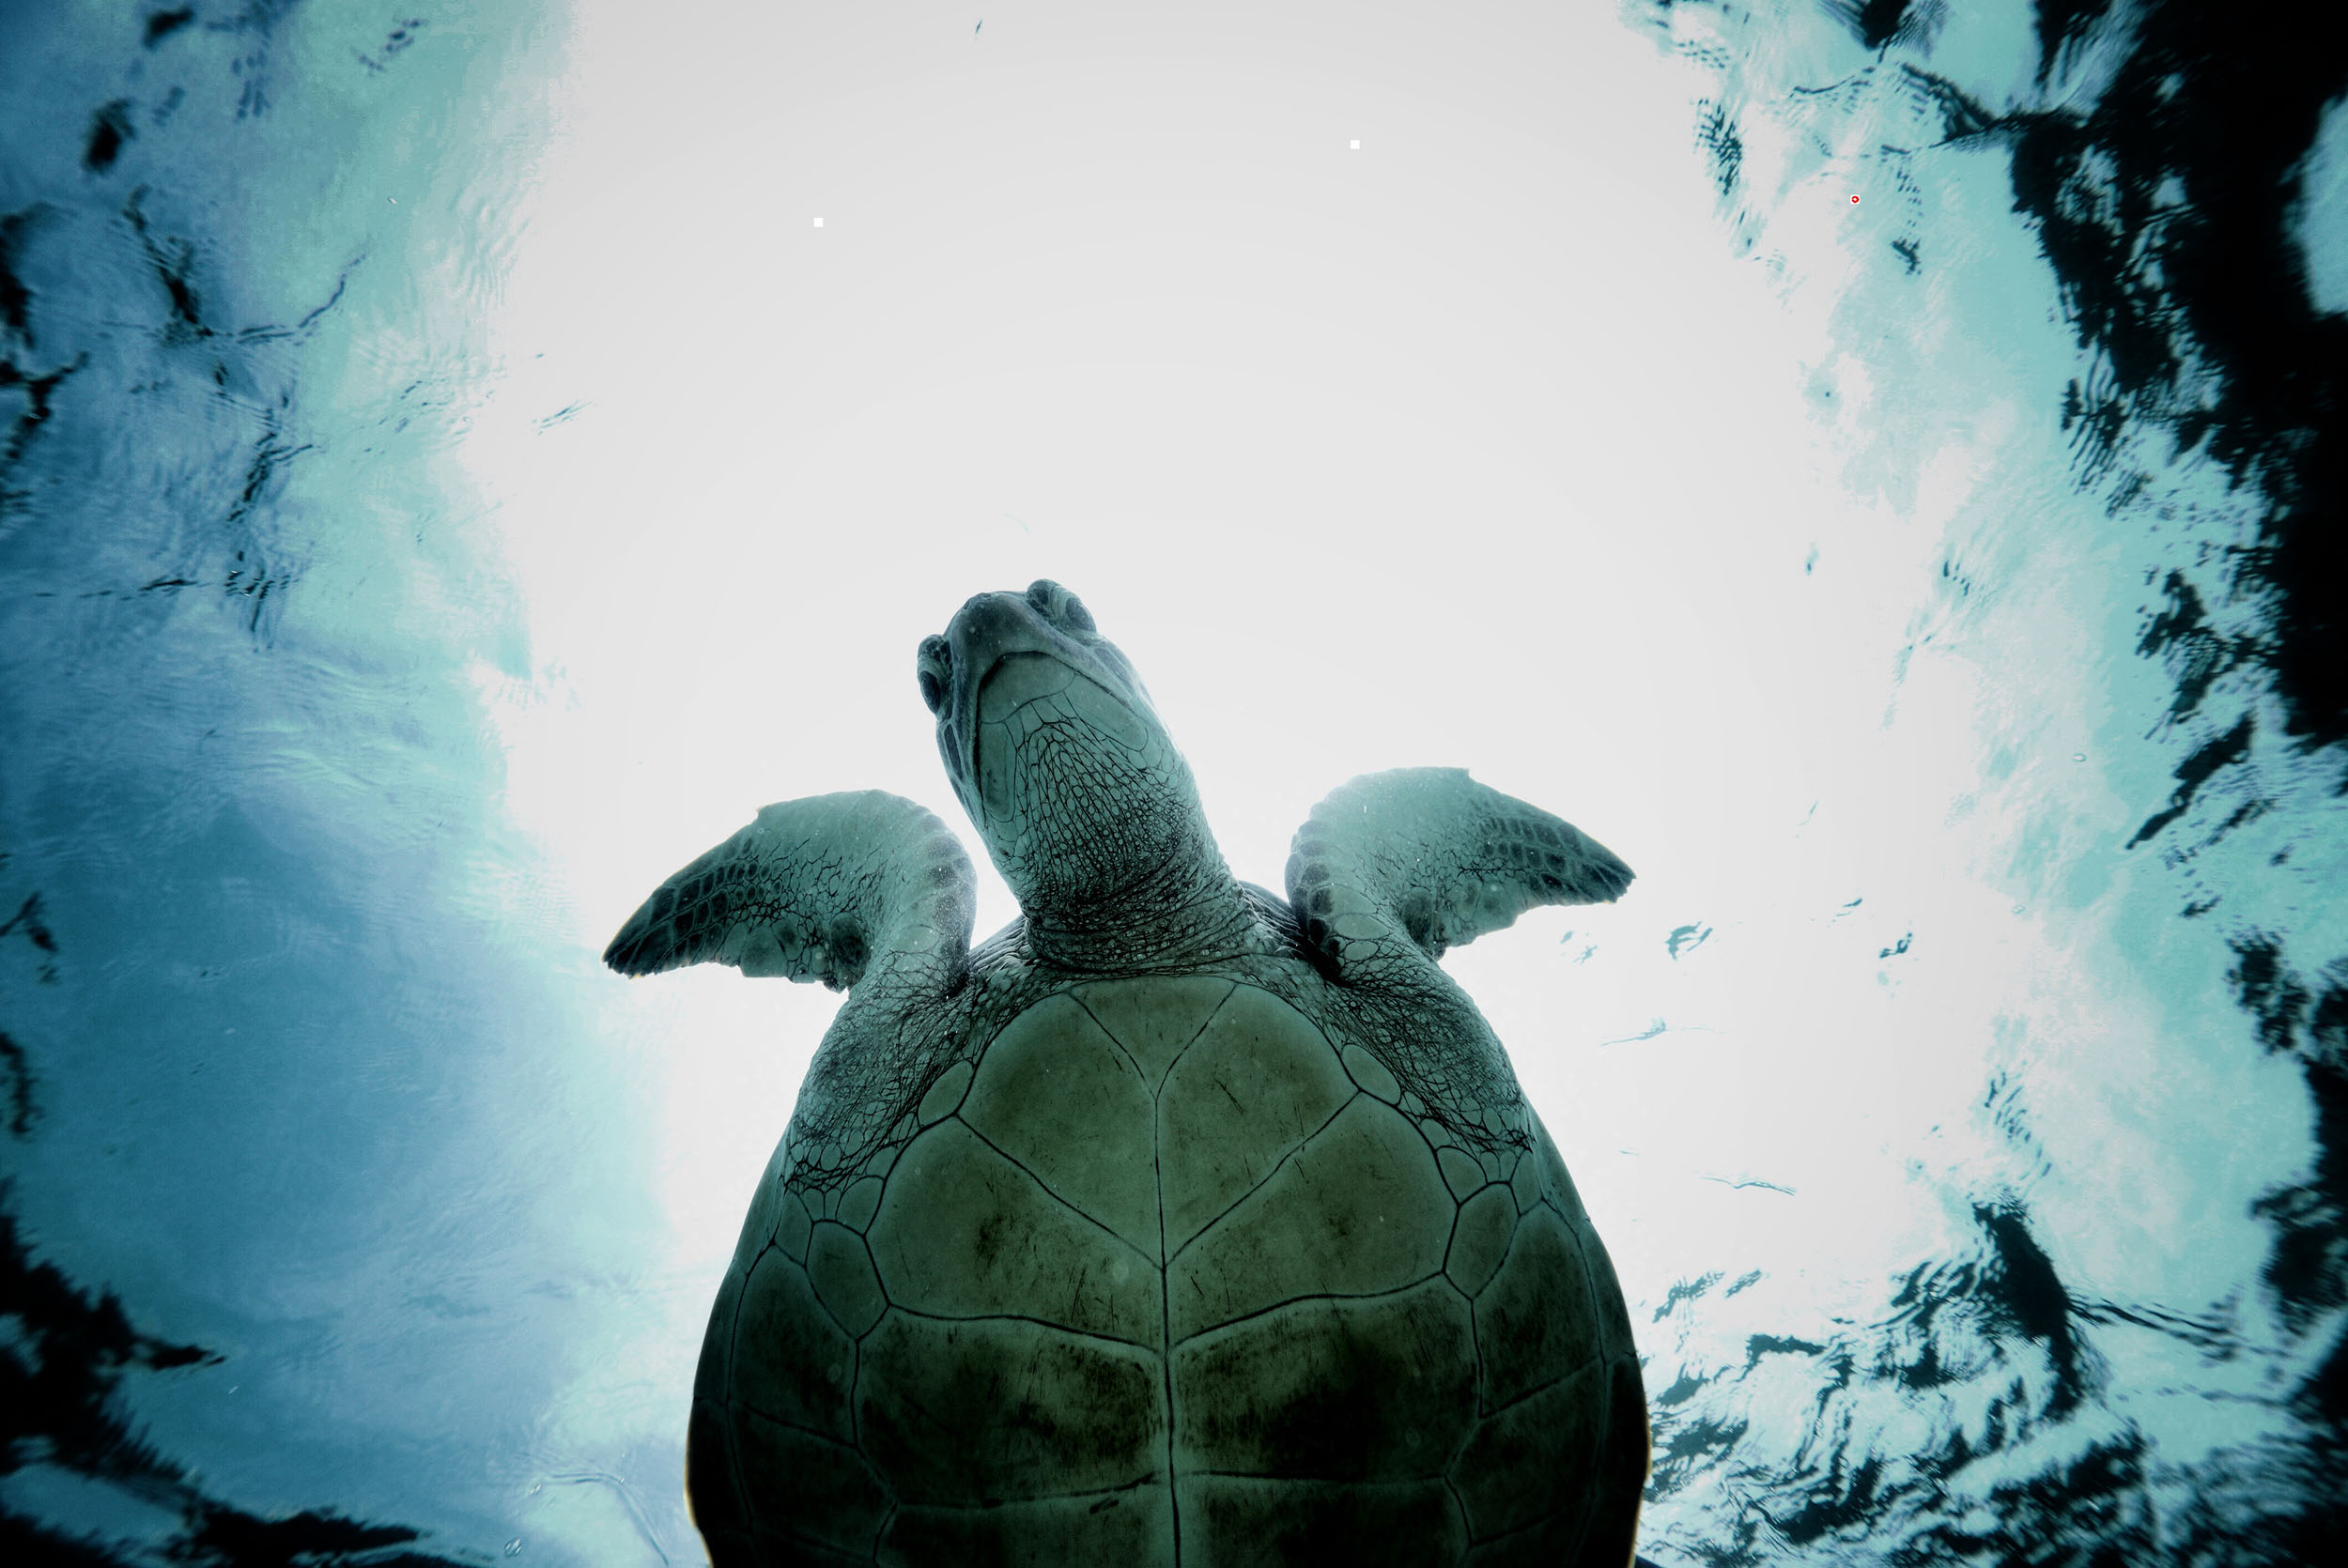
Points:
(1164, 1275)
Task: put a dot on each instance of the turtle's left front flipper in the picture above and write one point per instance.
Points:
(1392, 868)
(829, 888)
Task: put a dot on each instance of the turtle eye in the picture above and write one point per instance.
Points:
(933, 665)
(1059, 606)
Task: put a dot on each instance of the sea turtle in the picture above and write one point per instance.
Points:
(1175, 1223)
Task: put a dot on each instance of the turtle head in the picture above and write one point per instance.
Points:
(1059, 756)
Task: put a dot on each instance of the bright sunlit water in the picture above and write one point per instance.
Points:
(459, 466)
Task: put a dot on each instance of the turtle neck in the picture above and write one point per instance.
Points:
(1188, 911)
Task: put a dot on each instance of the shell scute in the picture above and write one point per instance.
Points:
(972, 1413)
(1156, 1020)
(1479, 1241)
(792, 1361)
(791, 1230)
(1242, 1522)
(1372, 1075)
(1121, 1527)
(1535, 1457)
(1255, 1083)
(965, 1232)
(1459, 1171)
(1360, 1208)
(945, 1095)
(840, 1268)
(859, 1202)
(1536, 1322)
(1365, 1388)
(1526, 1183)
(1056, 1095)
(811, 1483)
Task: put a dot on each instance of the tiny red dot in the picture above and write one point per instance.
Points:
(1854, 201)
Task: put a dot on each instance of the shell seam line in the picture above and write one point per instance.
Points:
(1281, 1164)
(1213, 1013)
(1311, 1295)
(821, 1437)
(1597, 1358)
(1535, 1523)
(1436, 1478)
(1119, 1489)
(1046, 1186)
(1019, 1317)
(1165, 1294)
(1467, 1520)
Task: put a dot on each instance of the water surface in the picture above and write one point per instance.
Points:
(1872, 465)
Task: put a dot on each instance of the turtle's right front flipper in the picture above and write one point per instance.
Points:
(827, 888)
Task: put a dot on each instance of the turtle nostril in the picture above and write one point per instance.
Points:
(1041, 593)
(1073, 612)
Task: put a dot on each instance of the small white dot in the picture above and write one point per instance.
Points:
(819, 223)
(1357, 144)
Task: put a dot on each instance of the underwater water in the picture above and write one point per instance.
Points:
(1875, 467)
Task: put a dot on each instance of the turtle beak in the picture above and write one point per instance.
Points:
(954, 671)
(989, 629)
(991, 660)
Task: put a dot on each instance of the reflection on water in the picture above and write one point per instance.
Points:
(285, 1041)
(1989, 1406)
(303, 1261)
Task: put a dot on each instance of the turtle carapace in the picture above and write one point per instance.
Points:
(1176, 1224)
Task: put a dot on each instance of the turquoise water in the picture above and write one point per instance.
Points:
(1963, 1103)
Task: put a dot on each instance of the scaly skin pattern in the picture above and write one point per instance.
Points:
(1179, 1222)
